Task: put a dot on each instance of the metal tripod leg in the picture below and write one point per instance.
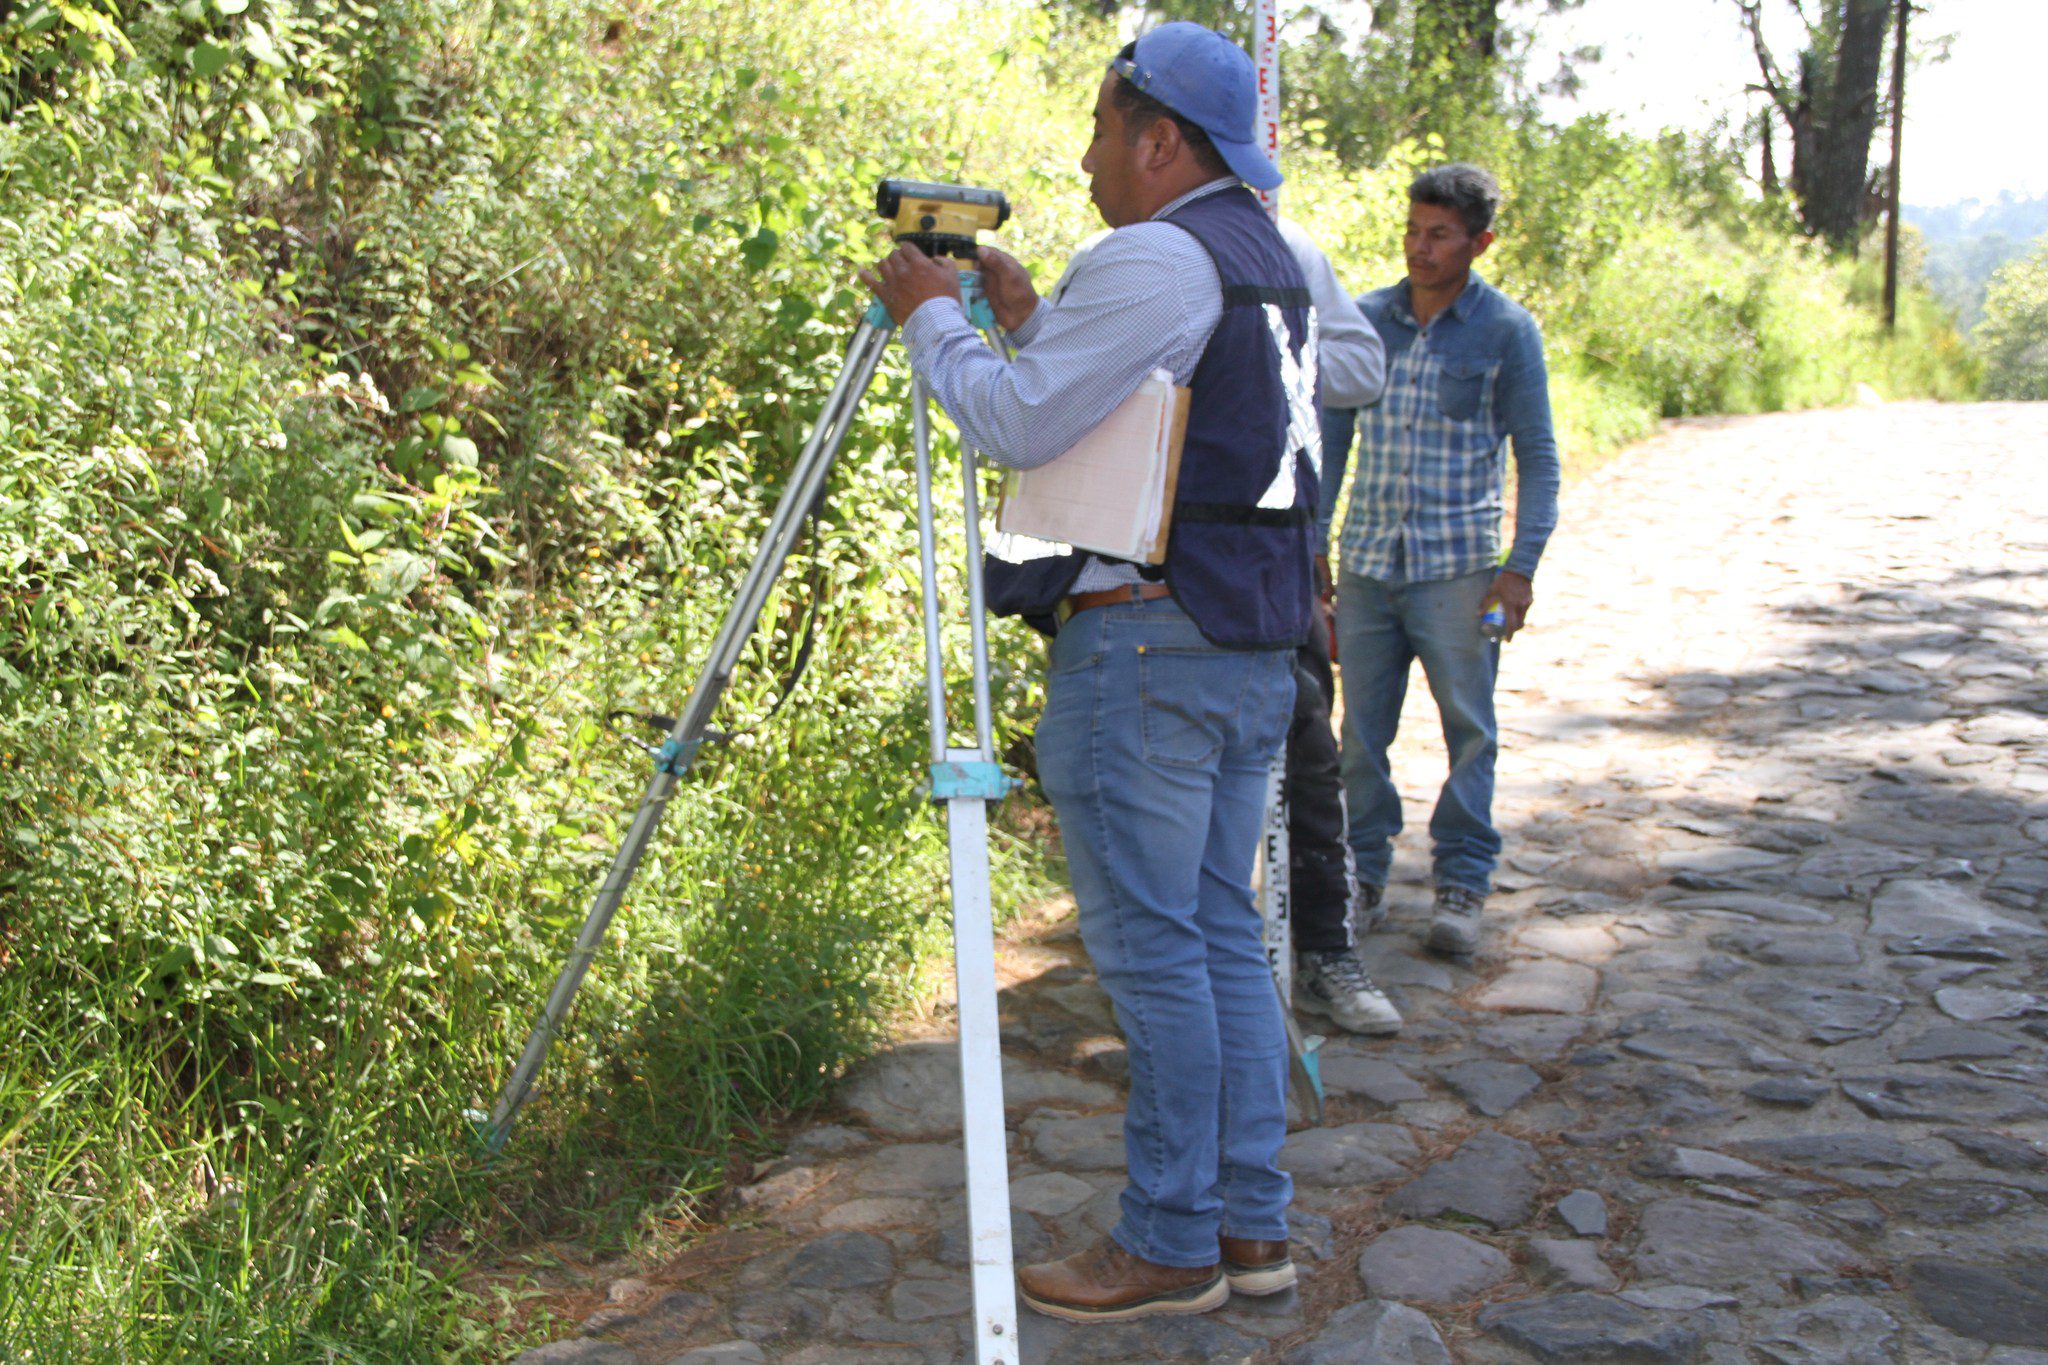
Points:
(967, 779)
(673, 760)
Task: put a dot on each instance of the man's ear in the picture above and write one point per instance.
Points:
(1481, 242)
(1160, 144)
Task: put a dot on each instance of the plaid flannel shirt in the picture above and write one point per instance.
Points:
(1426, 501)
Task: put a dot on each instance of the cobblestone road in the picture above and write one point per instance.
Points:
(1752, 1067)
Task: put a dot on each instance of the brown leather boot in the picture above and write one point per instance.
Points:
(1107, 1284)
(1252, 1267)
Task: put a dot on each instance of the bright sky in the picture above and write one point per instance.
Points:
(1972, 123)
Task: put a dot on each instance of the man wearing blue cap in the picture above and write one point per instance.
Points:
(1169, 689)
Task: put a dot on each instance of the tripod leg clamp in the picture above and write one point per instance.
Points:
(676, 756)
(988, 781)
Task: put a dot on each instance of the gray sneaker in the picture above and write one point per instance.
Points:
(1368, 908)
(1455, 929)
(1335, 984)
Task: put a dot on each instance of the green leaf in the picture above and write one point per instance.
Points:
(760, 249)
(209, 59)
(231, 6)
(257, 41)
(459, 449)
(421, 397)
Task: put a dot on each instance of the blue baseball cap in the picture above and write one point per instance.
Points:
(1209, 81)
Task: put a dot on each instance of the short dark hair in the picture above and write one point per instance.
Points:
(1140, 111)
(1467, 190)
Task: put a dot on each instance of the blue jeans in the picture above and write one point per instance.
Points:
(1154, 747)
(1381, 628)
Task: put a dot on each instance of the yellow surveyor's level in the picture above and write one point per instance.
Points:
(940, 220)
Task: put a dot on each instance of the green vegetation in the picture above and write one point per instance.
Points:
(1966, 243)
(394, 389)
(2014, 334)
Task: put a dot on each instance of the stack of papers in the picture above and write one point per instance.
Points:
(1112, 493)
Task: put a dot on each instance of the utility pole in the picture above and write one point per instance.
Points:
(1891, 227)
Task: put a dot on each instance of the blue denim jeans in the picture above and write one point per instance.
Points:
(1154, 747)
(1381, 628)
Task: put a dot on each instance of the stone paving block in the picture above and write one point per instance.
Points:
(1052, 1194)
(913, 1089)
(1570, 1264)
(1830, 1332)
(1375, 1331)
(1492, 1088)
(1978, 1004)
(1492, 1178)
(1998, 1150)
(735, 1352)
(920, 1300)
(2006, 1305)
(1827, 1014)
(1543, 987)
(842, 1260)
(1577, 1329)
(577, 1353)
(1354, 1155)
(870, 1215)
(1910, 907)
(1695, 1242)
(1941, 1097)
(1382, 1082)
(1430, 1265)
(1584, 1212)
(1094, 1143)
(1942, 1044)
(920, 1169)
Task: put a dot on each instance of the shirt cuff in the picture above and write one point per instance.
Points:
(1522, 560)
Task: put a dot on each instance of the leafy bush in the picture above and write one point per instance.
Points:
(2013, 337)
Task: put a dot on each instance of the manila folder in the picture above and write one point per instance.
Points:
(1112, 492)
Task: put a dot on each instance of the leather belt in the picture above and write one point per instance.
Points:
(1109, 597)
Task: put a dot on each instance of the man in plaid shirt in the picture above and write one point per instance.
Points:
(1420, 556)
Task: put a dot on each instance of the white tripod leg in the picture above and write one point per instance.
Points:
(967, 780)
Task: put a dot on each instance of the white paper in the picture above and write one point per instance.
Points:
(1108, 493)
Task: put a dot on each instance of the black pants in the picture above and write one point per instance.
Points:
(1319, 859)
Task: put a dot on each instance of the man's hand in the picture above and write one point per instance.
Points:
(1514, 593)
(1008, 287)
(906, 279)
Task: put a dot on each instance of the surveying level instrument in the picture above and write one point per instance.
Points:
(966, 778)
(940, 220)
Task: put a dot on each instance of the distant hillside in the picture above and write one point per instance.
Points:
(1967, 242)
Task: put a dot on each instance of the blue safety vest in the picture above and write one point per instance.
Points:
(1240, 551)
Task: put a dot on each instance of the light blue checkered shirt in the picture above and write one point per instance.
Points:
(1426, 497)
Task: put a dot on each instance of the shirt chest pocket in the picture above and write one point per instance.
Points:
(1464, 388)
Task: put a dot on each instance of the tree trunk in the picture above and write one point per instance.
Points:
(1891, 222)
(1833, 118)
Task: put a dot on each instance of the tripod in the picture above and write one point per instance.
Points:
(965, 778)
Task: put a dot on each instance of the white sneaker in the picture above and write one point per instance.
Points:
(1454, 931)
(1335, 984)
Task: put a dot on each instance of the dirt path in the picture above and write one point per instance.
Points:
(1752, 1068)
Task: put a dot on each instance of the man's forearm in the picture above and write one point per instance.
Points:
(1524, 391)
(1339, 426)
